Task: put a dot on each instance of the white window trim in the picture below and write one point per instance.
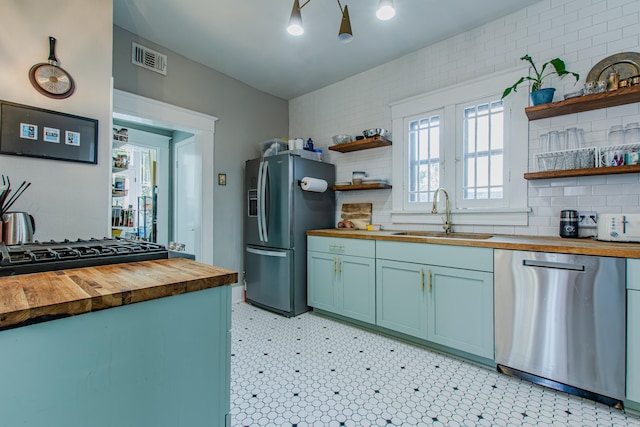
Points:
(517, 130)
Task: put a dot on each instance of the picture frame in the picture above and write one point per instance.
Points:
(222, 179)
(35, 132)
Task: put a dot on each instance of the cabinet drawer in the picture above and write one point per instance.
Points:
(467, 257)
(633, 274)
(341, 246)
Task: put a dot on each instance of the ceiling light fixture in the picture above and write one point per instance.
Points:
(295, 27)
(385, 10)
(345, 35)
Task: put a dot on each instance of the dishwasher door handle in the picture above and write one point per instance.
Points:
(551, 264)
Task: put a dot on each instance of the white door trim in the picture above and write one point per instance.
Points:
(147, 111)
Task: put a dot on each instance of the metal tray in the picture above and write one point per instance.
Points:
(627, 64)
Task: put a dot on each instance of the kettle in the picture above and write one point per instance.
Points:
(17, 227)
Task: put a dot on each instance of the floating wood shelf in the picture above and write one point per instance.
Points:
(360, 187)
(364, 144)
(579, 104)
(608, 170)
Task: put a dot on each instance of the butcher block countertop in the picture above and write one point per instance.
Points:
(31, 298)
(586, 246)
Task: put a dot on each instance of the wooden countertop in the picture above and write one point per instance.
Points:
(586, 246)
(31, 298)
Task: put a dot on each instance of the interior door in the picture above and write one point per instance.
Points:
(187, 211)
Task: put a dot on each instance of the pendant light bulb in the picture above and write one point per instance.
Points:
(345, 35)
(385, 10)
(295, 22)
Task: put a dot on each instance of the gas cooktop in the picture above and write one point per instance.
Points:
(57, 255)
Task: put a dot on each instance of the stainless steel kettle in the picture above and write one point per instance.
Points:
(17, 227)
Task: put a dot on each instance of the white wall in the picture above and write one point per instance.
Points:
(67, 199)
(582, 32)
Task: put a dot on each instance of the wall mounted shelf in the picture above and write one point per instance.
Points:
(363, 144)
(608, 170)
(580, 104)
(360, 187)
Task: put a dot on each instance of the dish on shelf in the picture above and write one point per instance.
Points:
(374, 180)
(370, 133)
(341, 184)
(342, 139)
(573, 94)
(626, 64)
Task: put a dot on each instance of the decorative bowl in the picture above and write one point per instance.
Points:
(342, 139)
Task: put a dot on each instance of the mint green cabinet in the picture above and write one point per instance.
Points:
(339, 281)
(460, 310)
(633, 345)
(321, 281)
(439, 293)
(162, 363)
(633, 331)
(401, 298)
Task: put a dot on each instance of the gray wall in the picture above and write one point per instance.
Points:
(246, 117)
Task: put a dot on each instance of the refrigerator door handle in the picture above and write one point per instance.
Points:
(265, 220)
(260, 201)
(278, 254)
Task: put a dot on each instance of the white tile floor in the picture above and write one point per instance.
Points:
(313, 371)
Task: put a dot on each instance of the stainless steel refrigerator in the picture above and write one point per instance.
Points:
(278, 215)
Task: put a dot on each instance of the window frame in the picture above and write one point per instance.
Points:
(461, 202)
(513, 209)
(412, 206)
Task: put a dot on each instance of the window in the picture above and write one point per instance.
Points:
(483, 151)
(424, 158)
(467, 140)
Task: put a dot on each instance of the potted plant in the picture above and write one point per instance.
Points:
(541, 95)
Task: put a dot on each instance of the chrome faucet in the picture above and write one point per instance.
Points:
(448, 227)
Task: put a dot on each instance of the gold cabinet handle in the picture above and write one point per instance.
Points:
(339, 267)
(430, 284)
(334, 266)
(422, 278)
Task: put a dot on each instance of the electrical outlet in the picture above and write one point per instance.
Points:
(587, 219)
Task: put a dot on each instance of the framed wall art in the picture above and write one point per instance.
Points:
(35, 132)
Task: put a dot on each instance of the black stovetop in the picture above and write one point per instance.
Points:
(57, 255)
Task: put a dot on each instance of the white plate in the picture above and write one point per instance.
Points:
(374, 180)
(341, 184)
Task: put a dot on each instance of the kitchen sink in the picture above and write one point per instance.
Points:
(442, 234)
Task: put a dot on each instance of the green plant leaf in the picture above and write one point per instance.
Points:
(559, 68)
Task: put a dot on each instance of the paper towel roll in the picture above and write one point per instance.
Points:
(313, 184)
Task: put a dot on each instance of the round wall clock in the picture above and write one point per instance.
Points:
(49, 79)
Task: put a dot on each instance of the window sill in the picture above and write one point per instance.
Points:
(493, 217)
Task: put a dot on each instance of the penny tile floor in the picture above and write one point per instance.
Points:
(313, 371)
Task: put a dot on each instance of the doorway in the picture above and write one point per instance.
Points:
(140, 191)
(148, 112)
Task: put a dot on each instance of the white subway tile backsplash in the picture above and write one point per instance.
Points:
(628, 200)
(582, 32)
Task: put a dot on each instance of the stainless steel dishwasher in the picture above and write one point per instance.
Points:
(560, 321)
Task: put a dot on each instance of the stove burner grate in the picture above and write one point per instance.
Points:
(44, 256)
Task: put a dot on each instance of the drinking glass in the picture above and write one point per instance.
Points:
(553, 141)
(632, 133)
(562, 140)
